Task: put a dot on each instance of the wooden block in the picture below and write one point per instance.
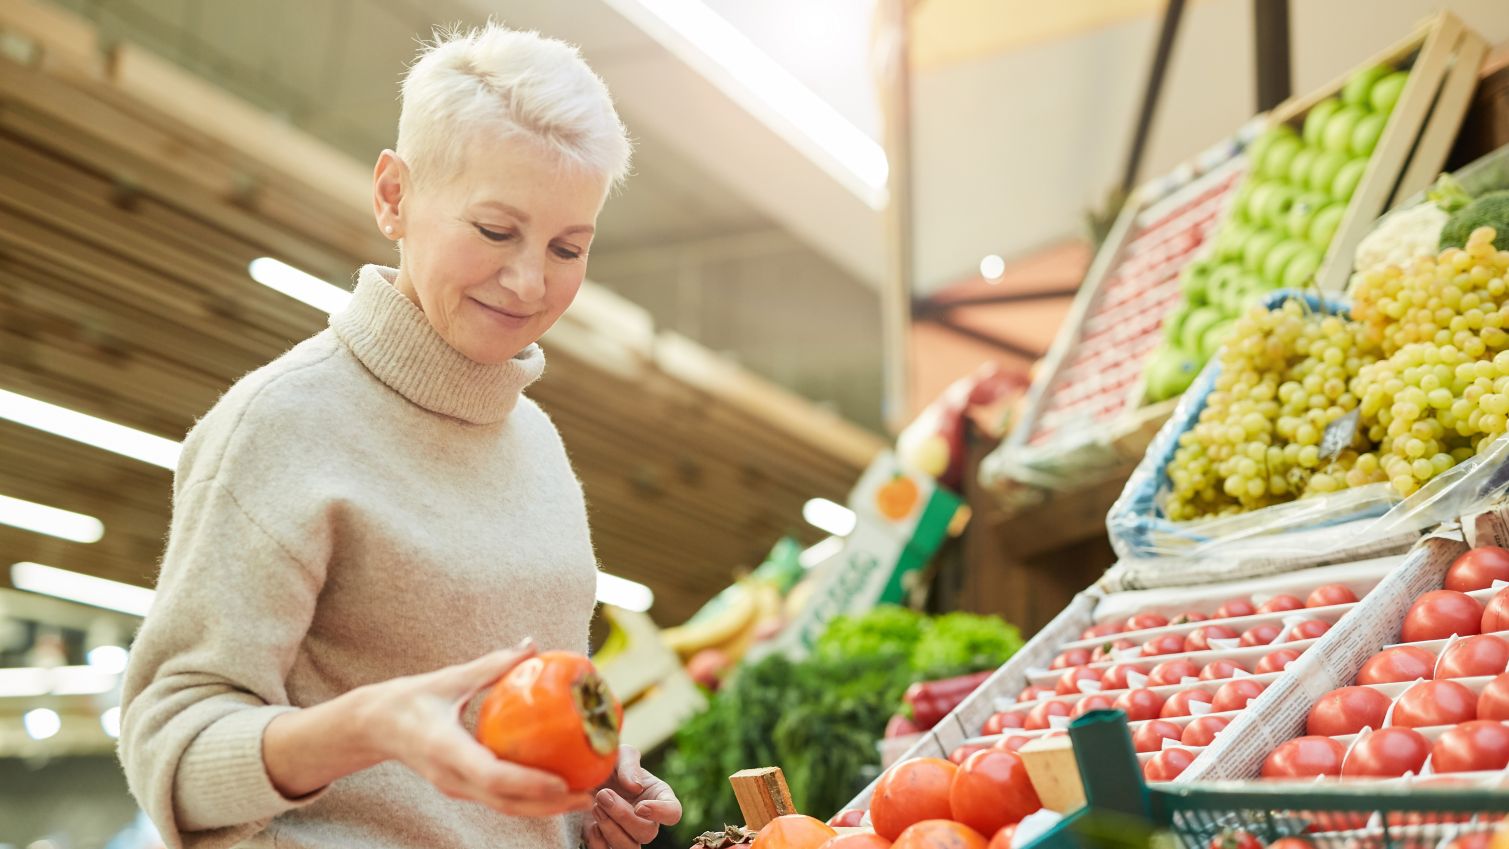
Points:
(762, 794)
(1054, 772)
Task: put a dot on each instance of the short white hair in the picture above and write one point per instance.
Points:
(495, 79)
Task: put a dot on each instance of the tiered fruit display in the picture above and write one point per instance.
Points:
(1424, 359)
(1282, 218)
(1439, 697)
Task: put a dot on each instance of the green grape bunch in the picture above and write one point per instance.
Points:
(1424, 359)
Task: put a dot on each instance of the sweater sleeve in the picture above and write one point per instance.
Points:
(235, 599)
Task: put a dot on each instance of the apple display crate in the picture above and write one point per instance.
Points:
(1442, 56)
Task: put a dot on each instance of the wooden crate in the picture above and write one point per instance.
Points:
(1443, 57)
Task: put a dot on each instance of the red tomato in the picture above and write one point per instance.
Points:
(1233, 838)
(1037, 718)
(1168, 764)
(1236, 607)
(1115, 678)
(1166, 644)
(910, 792)
(1219, 670)
(1106, 651)
(1149, 736)
(1478, 569)
(1441, 613)
(1034, 693)
(1096, 701)
(1203, 729)
(1304, 757)
(1496, 615)
(1172, 672)
(1013, 743)
(1435, 703)
(1493, 702)
(1346, 711)
(1104, 629)
(1480, 745)
(1400, 663)
(959, 755)
(1004, 719)
(1483, 654)
(1277, 661)
(1068, 683)
(1235, 694)
(1281, 603)
(1387, 752)
(991, 790)
(1308, 630)
(1179, 703)
(1071, 658)
(1003, 838)
(1331, 594)
(1260, 635)
(1199, 639)
(1187, 617)
(1139, 704)
(1144, 621)
(1291, 843)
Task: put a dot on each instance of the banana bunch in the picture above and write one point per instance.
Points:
(730, 622)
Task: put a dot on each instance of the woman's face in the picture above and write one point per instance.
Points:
(496, 254)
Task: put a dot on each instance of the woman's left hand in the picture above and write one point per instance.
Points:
(630, 809)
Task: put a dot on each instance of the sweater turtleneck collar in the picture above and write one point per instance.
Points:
(394, 340)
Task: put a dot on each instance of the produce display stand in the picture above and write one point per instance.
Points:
(1352, 816)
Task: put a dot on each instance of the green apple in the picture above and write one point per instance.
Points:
(1193, 281)
(1195, 326)
(1222, 279)
(1338, 132)
(1386, 92)
(1175, 322)
(1230, 240)
(1170, 372)
(1249, 290)
(1359, 88)
(1348, 178)
(1276, 206)
(1300, 271)
(1240, 198)
(1299, 167)
(1278, 156)
(1258, 200)
(1257, 248)
(1315, 121)
(1278, 258)
(1369, 130)
(1297, 224)
(1323, 173)
(1213, 338)
(1323, 227)
(1259, 147)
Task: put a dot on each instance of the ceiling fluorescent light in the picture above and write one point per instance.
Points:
(811, 557)
(42, 723)
(299, 285)
(84, 589)
(89, 430)
(39, 518)
(621, 592)
(724, 55)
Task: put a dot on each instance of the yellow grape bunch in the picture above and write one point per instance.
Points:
(1424, 359)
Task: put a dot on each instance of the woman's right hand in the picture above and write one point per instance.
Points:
(416, 720)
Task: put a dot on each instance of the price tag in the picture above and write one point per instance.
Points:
(1339, 435)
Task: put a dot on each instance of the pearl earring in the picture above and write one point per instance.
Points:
(388, 229)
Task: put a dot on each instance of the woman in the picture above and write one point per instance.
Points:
(359, 526)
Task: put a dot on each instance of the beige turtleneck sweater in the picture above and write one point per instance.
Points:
(370, 504)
